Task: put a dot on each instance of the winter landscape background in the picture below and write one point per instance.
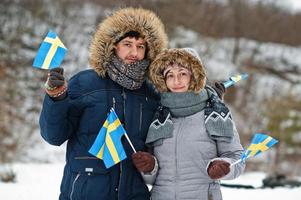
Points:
(261, 38)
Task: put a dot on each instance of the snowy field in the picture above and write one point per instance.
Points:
(41, 182)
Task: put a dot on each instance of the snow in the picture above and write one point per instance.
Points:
(290, 5)
(216, 54)
(254, 179)
(34, 182)
(42, 181)
(262, 194)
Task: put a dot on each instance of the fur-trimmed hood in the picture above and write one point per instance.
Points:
(187, 58)
(115, 26)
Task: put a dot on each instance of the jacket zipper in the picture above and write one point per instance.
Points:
(176, 163)
(119, 182)
(123, 94)
(140, 122)
(114, 102)
(176, 152)
(72, 189)
(124, 98)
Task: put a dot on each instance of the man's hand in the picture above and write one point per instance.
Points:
(143, 161)
(220, 89)
(56, 84)
(56, 78)
(218, 169)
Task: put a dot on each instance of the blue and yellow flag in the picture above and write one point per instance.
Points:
(234, 79)
(259, 144)
(51, 52)
(107, 145)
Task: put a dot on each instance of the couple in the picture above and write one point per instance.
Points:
(192, 147)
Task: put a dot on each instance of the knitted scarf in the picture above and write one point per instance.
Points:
(130, 76)
(218, 120)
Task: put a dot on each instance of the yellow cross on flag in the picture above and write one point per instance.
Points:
(51, 52)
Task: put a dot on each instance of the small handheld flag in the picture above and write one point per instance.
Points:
(234, 79)
(51, 52)
(259, 144)
(107, 145)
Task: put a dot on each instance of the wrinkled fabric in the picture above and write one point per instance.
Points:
(183, 160)
(130, 76)
(78, 119)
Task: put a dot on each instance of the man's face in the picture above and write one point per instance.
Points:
(130, 49)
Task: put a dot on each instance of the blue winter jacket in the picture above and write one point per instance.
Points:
(78, 119)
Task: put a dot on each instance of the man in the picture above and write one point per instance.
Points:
(122, 48)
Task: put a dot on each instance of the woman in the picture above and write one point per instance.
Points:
(193, 136)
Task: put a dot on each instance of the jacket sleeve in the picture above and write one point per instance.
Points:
(58, 119)
(149, 178)
(230, 152)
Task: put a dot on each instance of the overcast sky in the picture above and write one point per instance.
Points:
(296, 4)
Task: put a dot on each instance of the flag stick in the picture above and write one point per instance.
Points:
(236, 162)
(127, 137)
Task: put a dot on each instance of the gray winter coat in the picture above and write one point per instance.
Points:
(183, 160)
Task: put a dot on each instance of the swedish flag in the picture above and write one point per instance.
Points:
(234, 79)
(107, 145)
(51, 52)
(259, 144)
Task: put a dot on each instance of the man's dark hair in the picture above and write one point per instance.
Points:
(132, 34)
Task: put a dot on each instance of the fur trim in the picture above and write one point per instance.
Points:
(183, 58)
(115, 26)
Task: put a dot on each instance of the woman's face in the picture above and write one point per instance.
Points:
(177, 78)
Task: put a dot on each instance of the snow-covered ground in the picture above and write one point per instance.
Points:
(255, 179)
(41, 182)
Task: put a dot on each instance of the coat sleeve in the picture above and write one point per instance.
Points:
(58, 120)
(231, 152)
(149, 178)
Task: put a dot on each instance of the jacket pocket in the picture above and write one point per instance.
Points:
(88, 164)
(88, 186)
